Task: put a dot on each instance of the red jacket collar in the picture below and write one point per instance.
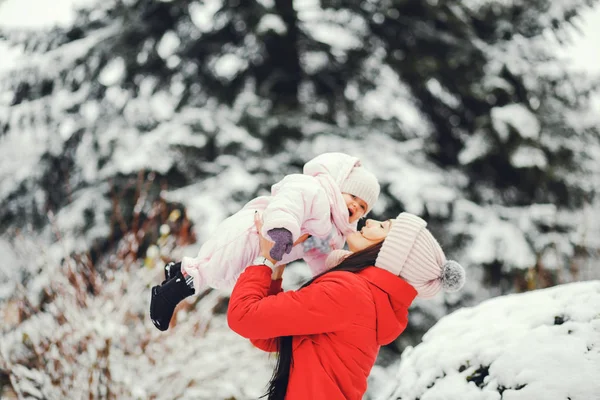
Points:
(392, 297)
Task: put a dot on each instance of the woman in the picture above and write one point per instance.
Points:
(328, 332)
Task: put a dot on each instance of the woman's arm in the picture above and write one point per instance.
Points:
(277, 276)
(324, 306)
(270, 345)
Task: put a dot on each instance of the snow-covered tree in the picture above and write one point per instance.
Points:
(461, 108)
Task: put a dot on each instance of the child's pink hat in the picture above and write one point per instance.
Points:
(363, 184)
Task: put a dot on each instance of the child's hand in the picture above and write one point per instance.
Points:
(265, 244)
(283, 242)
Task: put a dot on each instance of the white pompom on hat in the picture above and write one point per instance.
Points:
(363, 184)
(411, 252)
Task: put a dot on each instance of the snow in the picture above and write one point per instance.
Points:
(82, 222)
(113, 72)
(436, 89)
(500, 240)
(306, 5)
(271, 22)
(313, 61)
(476, 146)
(162, 106)
(334, 35)
(9, 271)
(584, 50)
(9, 56)
(168, 44)
(203, 14)
(39, 13)
(267, 3)
(77, 333)
(27, 146)
(528, 156)
(201, 358)
(229, 65)
(391, 98)
(231, 133)
(133, 152)
(340, 29)
(517, 117)
(515, 236)
(209, 202)
(523, 346)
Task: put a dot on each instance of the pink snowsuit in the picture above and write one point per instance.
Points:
(309, 203)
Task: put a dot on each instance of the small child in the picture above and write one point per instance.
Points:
(323, 203)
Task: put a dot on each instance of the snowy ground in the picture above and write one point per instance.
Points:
(539, 345)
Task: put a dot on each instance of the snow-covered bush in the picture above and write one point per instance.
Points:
(82, 336)
(539, 345)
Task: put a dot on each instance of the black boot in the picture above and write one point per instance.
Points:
(171, 270)
(164, 299)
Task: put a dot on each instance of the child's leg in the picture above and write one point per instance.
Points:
(165, 298)
(172, 269)
(178, 285)
(192, 270)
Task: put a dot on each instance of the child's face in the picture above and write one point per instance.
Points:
(373, 232)
(357, 207)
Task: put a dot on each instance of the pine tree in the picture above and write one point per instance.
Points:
(195, 92)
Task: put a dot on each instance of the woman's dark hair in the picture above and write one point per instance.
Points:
(355, 262)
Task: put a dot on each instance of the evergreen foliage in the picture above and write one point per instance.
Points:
(463, 109)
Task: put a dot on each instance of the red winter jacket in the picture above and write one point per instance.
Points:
(338, 323)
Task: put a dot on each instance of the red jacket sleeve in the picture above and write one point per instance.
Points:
(275, 287)
(269, 345)
(324, 306)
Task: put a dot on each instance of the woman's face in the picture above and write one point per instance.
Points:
(373, 232)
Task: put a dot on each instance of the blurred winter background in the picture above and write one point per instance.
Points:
(130, 128)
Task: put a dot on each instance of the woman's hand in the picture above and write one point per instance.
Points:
(277, 272)
(265, 244)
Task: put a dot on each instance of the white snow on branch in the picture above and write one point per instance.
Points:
(436, 89)
(334, 35)
(518, 118)
(39, 13)
(168, 44)
(391, 98)
(271, 22)
(476, 146)
(228, 65)
(313, 61)
(492, 238)
(113, 72)
(209, 201)
(528, 156)
(203, 14)
(9, 56)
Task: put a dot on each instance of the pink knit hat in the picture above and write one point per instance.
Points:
(411, 252)
(362, 183)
